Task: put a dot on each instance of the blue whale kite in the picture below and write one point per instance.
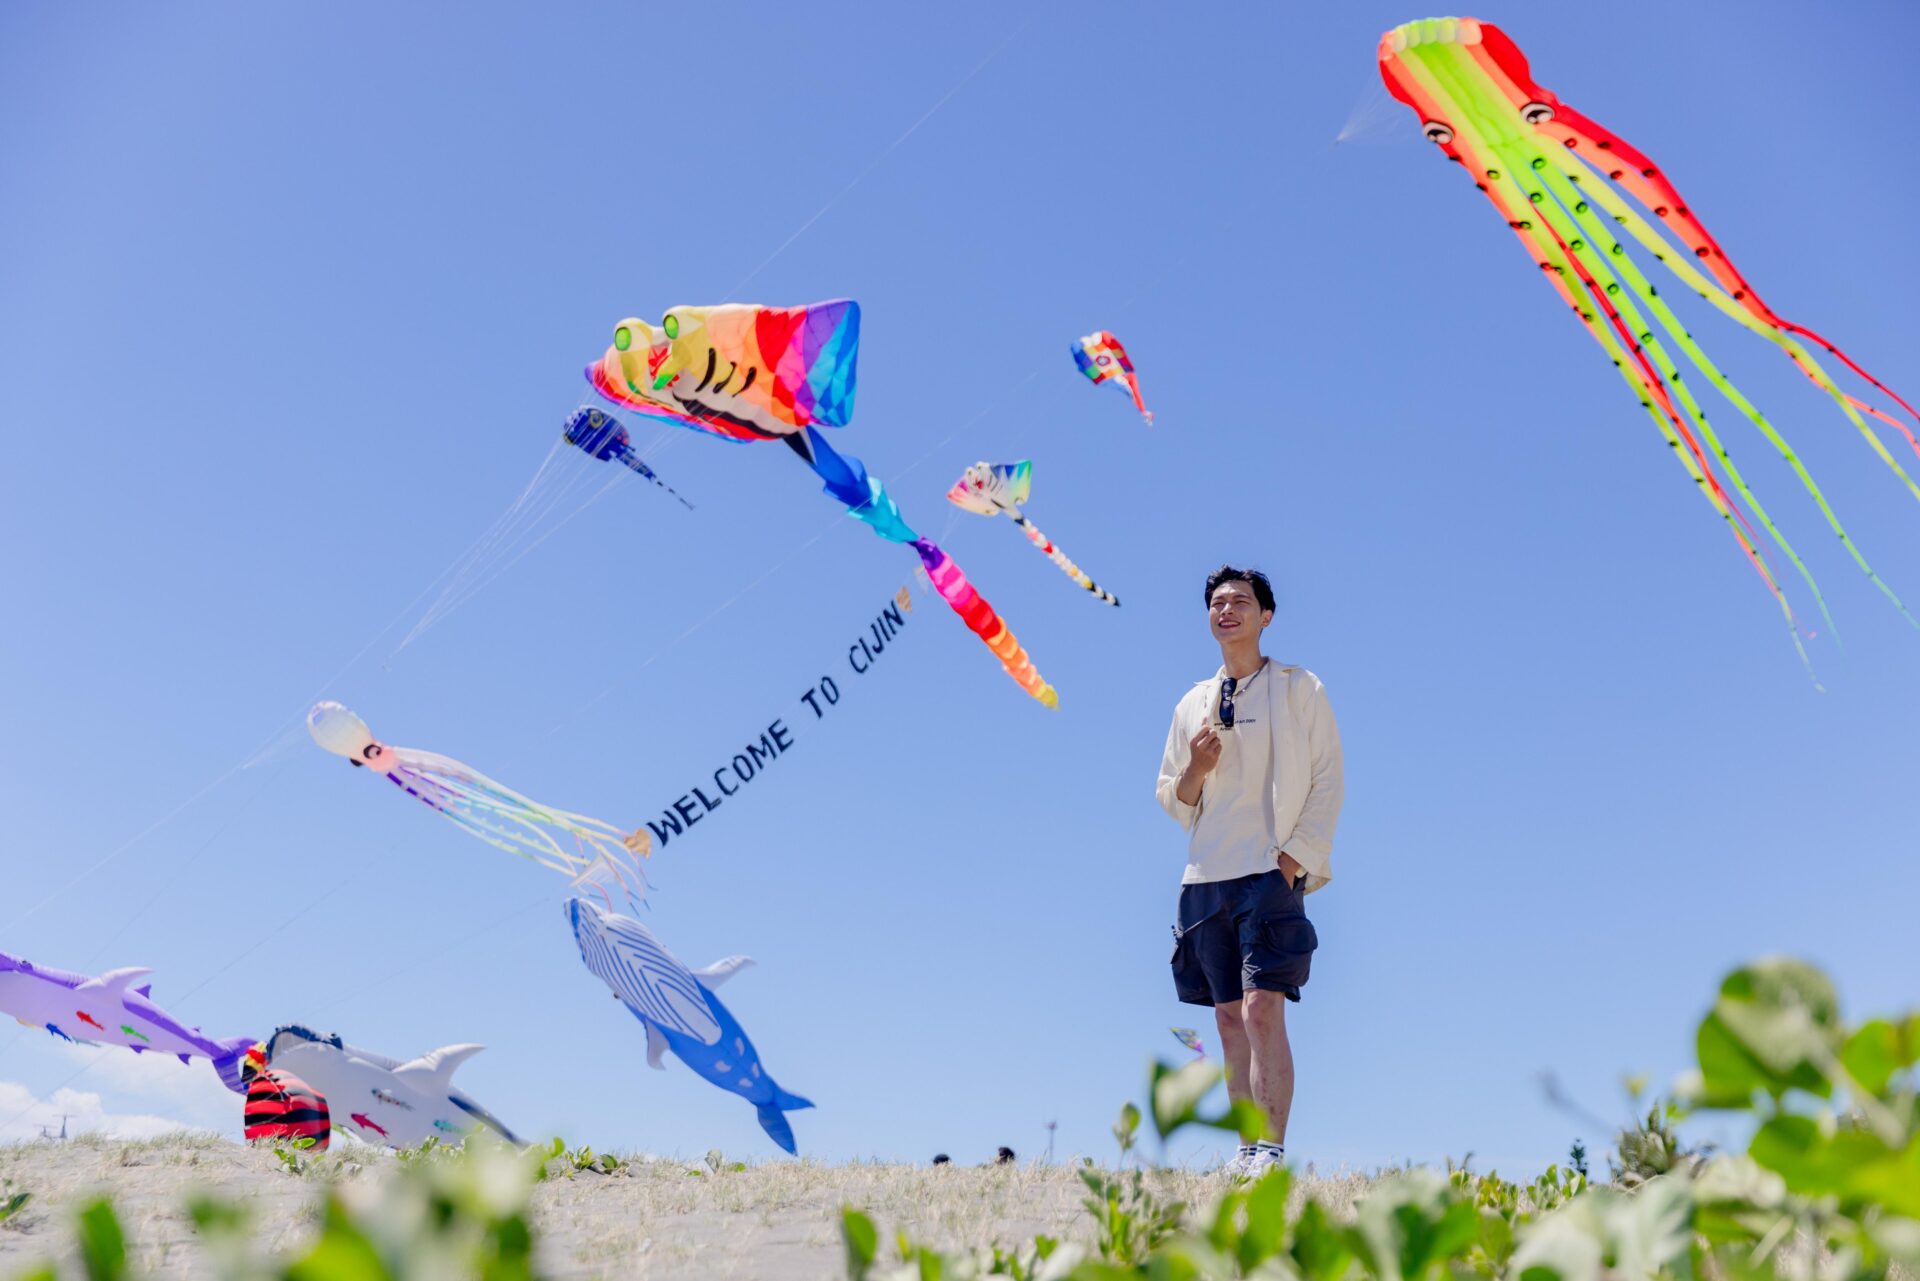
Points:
(679, 1010)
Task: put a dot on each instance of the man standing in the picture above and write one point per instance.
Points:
(1252, 771)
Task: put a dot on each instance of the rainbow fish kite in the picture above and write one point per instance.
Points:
(1101, 357)
(1001, 489)
(1191, 1039)
(595, 855)
(746, 373)
(1568, 188)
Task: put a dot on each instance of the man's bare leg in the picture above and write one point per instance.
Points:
(1263, 1040)
(1234, 1049)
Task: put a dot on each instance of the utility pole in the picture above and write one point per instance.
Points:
(1051, 1127)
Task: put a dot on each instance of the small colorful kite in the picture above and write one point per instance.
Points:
(746, 373)
(280, 1106)
(380, 1099)
(109, 1010)
(598, 434)
(680, 1012)
(496, 814)
(1550, 171)
(1101, 357)
(1001, 489)
(1190, 1038)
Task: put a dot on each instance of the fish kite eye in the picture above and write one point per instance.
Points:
(1437, 132)
(372, 750)
(1536, 113)
(672, 325)
(622, 338)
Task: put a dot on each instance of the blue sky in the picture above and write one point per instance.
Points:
(296, 300)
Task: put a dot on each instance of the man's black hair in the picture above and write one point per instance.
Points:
(1004, 1156)
(1253, 578)
(941, 1158)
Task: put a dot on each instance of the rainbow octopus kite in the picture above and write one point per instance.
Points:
(993, 489)
(1101, 357)
(746, 373)
(1551, 172)
(594, 856)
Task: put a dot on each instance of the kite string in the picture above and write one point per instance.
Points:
(876, 162)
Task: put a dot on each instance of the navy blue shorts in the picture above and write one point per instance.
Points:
(1250, 932)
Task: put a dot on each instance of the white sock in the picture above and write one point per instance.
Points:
(1274, 1148)
(1246, 1149)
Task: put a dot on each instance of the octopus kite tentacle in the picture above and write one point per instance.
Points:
(1534, 158)
(596, 856)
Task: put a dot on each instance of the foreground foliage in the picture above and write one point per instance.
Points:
(1828, 1189)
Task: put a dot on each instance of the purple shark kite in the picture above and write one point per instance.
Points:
(109, 1010)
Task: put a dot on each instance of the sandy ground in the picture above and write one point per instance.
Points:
(778, 1221)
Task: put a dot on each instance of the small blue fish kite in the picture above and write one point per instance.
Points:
(680, 1012)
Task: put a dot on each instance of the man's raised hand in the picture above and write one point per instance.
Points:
(1205, 749)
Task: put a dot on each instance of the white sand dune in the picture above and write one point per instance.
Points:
(778, 1221)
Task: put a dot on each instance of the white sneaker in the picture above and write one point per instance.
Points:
(1260, 1161)
(1236, 1168)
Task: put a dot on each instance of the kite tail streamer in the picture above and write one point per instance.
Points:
(981, 619)
(1059, 558)
(520, 825)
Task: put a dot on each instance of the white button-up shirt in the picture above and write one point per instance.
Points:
(1277, 787)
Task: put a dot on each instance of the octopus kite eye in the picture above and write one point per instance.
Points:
(1536, 113)
(1437, 132)
(622, 338)
(371, 751)
(672, 325)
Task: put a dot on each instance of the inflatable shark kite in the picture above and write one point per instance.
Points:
(383, 1100)
(679, 1010)
(109, 1010)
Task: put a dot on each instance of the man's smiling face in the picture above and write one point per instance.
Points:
(1234, 613)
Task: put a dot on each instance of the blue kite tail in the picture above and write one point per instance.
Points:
(227, 1062)
(845, 477)
(774, 1122)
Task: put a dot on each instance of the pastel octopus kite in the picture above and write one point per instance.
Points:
(1101, 358)
(1551, 171)
(595, 854)
(746, 373)
(1002, 489)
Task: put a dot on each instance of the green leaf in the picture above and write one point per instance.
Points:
(1785, 1015)
(1321, 1251)
(1266, 1229)
(343, 1253)
(862, 1241)
(1242, 1117)
(1729, 1075)
(1178, 1091)
(103, 1246)
(1126, 1126)
(1872, 1055)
